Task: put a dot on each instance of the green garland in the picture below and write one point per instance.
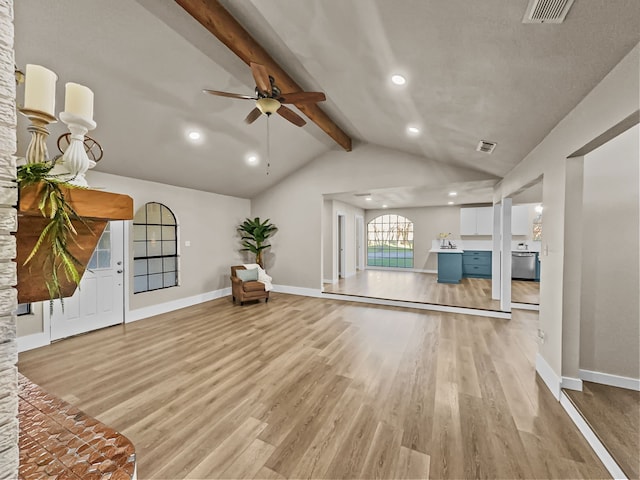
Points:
(57, 233)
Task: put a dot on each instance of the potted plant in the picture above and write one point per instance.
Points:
(254, 234)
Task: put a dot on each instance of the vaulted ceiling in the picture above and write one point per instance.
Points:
(474, 71)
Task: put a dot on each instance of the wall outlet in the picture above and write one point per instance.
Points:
(187, 243)
(541, 335)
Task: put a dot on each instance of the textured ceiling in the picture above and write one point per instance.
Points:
(474, 72)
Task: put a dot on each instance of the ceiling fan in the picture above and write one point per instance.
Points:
(270, 99)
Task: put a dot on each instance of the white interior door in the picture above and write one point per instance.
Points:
(99, 300)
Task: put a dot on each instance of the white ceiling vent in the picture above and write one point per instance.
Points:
(547, 11)
(486, 147)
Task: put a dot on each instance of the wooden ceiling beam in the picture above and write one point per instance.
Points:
(215, 18)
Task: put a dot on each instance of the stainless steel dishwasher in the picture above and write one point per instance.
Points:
(523, 265)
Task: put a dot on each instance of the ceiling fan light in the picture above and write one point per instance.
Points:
(268, 105)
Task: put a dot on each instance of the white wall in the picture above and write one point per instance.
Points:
(205, 219)
(614, 99)
(610, 327)
(428, 222)
(296, 203)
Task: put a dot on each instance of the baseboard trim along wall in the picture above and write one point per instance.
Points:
(152, 310)
(419, 306)
(571, 383)
(415, 270)
(303, 291)
(313, 292)
(548, 375)
(609, 379)
(591, 438)
(525, 306)
(36, 340)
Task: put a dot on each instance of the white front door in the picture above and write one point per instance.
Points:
(99, 300)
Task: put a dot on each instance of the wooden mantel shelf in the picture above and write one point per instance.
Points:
(96, 206)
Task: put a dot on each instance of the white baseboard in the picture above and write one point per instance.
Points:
(331, 281)
(152, 310)
(571, 383)
(394, 269)
(303, 291)
(419, 306)
(548, 376)
(599, 449)
(609, 379)
(36, 340)
(524, 306)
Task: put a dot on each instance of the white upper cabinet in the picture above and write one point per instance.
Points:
(468, 218)
(484, 224)
(520, 220)
(476, 221)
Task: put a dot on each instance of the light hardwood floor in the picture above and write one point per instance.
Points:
(614, 416)
(424, 288)
(315, 388)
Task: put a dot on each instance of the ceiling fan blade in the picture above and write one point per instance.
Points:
(261, 77)
(253, 116)
(228, 94)
(290, 115)
(302, 97)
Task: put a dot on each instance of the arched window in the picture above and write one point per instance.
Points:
(390, 242)
(155, 248)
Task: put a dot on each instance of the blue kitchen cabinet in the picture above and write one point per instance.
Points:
(476, 264)
(449, 267)
(537, 279)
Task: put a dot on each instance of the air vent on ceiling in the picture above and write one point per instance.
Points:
(361, 194)
(486, 147)
(547, 11)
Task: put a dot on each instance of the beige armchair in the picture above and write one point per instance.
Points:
(249, 290)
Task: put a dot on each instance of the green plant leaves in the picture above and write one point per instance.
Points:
(56, 234)
(253, 235)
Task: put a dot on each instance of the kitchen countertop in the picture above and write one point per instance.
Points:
(446, 250)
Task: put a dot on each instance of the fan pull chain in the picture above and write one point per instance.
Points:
(268, 147)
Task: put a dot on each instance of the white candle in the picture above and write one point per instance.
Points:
(78, 100)
(40, 89)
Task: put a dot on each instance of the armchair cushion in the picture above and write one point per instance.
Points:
(253, 286)
(247, 275)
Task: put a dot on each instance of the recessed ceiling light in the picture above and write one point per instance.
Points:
(398, 79)
(194, 135)
(368, 199)
(252, 159)
(450, 203)
(413, 130)
(453, 194)
(384, 206)
(539, 208)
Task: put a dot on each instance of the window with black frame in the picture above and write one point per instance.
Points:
(155, 248)
(390, 242)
